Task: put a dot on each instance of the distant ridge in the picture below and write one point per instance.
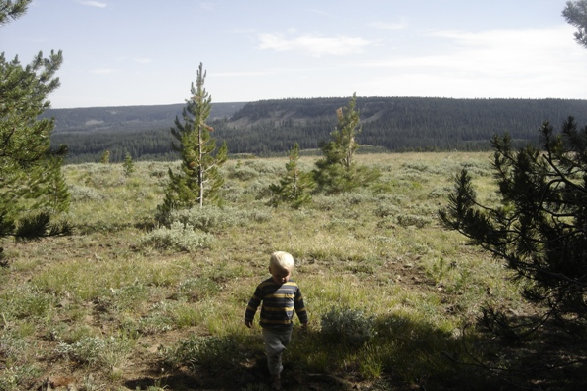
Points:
(272, 126)
(129, 118)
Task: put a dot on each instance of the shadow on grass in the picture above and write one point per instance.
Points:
(211, 363)
(403, 355)
(552, 356)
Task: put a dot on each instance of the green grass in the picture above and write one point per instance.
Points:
(123, 299)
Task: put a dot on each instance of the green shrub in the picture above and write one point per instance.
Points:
(242, 173)
(206, 219)
(212, 218)
(178, 237)
(406, 220)
(87, 350)
(347, 325)
(84, 193)
(385, 210)
(387, 222)
(478, 168)
(263, 166)
(416, 166)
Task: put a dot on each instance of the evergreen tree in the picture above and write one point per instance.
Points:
(11, 10)
(31, 181)
(128, 165)
(105, 157)
(336, 171)
(295, 187)
(575, 13)
(540, 226)
(199, 178)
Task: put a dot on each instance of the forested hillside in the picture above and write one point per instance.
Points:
(141, 130)
(273, 126)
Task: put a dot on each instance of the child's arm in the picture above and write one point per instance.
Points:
(252, 308)
(300, 309)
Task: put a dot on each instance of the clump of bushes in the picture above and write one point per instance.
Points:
(406, 220)
(347, 325)
(182, 237)
(213, 218)
(85, 193)
(243, 173)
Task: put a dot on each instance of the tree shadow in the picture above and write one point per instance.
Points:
(534, 352)
(211, 363)
(405, 354)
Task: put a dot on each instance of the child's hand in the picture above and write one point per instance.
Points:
(304, 326)
(248, 323)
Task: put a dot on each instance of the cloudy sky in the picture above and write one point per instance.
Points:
(140, 52)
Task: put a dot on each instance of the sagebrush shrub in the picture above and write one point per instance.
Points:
(178, 236)
(385, 210)
(242, 173)
(213, 218)
(87, 350)
(348, 325)
(406, 220)
(85, 193)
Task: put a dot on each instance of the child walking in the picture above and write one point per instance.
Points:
(281, 297)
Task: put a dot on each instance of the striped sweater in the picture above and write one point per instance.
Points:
(279, 303)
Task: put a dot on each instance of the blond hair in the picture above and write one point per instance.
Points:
(282, 260)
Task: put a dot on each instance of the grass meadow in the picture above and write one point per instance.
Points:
(395, 301)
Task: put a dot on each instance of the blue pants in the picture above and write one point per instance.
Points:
(276, 339)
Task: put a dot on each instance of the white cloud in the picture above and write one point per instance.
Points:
(507, 63)
(91, 3)
(314, 45)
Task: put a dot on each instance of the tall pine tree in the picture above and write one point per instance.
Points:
(199, 179)
(336, 171)
(31, 181)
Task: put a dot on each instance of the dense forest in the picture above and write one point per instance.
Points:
(272, 126)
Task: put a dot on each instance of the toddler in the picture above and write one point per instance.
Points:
(281, 297)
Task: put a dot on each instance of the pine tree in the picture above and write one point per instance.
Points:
(128, 165)
(575, 13)
(540, 226)
(12, 10)
(105, 157)
(199, 179)
(336, 171)
(295, 187)
(29, 171)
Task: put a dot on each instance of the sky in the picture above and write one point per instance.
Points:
(146, 52)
